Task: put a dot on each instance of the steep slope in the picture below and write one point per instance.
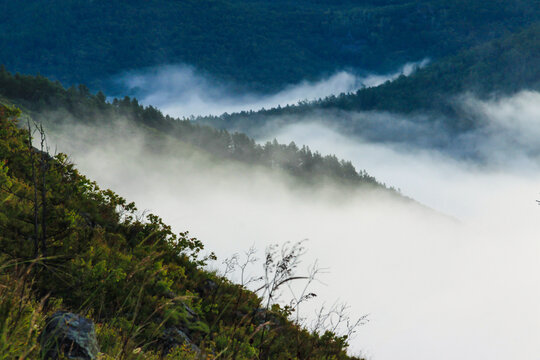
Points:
(54, 105)
(83, 249)
(255, 43)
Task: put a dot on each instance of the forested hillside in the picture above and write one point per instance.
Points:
(499, 67)
(51, 103)
(66, 244)
(495, 68)
(458, 126)
(261, 44)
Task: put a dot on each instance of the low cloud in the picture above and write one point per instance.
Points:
(182, 91)
(460, 286)
(419, 153)
(509, 129)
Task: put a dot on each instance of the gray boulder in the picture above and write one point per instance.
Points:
(71, 335)
(174, 337)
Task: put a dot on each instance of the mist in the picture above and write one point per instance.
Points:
(458, 281)
(420, 155)
(182, 90)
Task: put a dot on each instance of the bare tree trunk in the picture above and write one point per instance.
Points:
(43, 193)
(34, 182)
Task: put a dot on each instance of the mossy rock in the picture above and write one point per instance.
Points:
(70, 336)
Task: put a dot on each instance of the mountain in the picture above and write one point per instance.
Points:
(54, 105)
(69, 246)
(66, 244)
(259, 44)
(496, 68)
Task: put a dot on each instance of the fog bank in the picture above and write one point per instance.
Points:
(435, 287)
(182, 91)
(420, 154)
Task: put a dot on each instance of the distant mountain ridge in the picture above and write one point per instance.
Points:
(51, 103)
(499, 67)
(258, 44)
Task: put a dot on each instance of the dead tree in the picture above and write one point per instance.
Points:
(279, 269)
(44, 168)
(35, 200)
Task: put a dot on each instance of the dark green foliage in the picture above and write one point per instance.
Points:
(21, 313)
(264, 44)
(500, 67)
(132, 276)
(495, 68)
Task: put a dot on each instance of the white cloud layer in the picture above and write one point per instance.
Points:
(181, 91)
(435, 287)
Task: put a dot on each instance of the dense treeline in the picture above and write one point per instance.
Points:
(499, 67)
(264, 44)
(495, 68)
(143, 285)
(44, 100)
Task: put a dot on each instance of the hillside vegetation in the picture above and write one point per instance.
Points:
(67, 244)
(51, 103)
(255, 43)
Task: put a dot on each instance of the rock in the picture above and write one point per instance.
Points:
(193, 315)
(207, 287)
(173, 337)
(70, 335)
